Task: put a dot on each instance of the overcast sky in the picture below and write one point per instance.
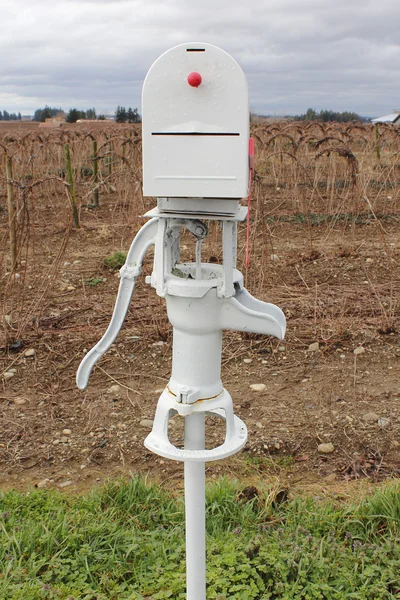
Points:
(340, 55)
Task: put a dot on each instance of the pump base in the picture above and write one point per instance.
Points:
(221, 406)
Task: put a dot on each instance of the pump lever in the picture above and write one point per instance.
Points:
(128, 274)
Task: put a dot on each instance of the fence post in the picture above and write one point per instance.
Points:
(378, 146)
(71, 186)
(11, 213)
(95, 174)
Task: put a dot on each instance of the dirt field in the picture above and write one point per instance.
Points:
(336, 276)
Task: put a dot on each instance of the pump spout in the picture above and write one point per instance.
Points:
(129, 273)
(243, 312)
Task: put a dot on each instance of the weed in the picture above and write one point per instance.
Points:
(126, 542)
(93, 281)
(115, 261)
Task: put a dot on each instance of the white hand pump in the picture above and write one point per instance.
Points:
(194, 160)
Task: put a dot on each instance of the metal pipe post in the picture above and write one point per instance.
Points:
(195, 507)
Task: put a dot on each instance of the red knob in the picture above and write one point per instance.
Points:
(194, 79)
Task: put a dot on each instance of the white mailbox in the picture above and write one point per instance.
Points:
(195, 112)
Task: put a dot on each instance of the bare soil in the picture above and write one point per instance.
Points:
(339, 289)
(325, 247)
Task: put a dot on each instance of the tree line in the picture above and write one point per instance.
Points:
(6, 116)
(329, 115)
(129, 115)
(73, 115)
(122, 115)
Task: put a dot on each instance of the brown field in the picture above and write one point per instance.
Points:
(325, 239)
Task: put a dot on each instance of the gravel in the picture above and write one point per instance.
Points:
(314, 347)
(258, 387)
(327, 448)
(370, 417)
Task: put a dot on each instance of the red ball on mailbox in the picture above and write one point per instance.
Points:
(194, 79)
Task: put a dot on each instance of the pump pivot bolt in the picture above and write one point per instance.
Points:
(194, 79)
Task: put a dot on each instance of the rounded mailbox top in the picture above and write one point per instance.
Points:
(194, 79)
(195, 124)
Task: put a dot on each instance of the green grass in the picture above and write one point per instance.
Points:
(93, 281)
(115, 261)
(127, 542)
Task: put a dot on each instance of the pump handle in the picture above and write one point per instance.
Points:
(128, 274)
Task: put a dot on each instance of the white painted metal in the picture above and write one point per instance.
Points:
(214, 206)
(128, 274)
(194, 210)
(196, 170)
(202, 300)
(195, 517)
(195, 139)
(157, 441)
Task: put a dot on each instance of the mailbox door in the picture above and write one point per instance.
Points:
(195, 139)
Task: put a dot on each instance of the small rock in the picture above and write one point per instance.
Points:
(67, 263)
(8, 375)
(258, 387)
(370, 417)
(65, 484)
(342, 356)
(395, 444)
(45, 483)
(56, 442)
(160, 343)
(247, 361)
(304, 380)
(259, 425)
(64, 439)
(19, 401)
(70, 288)
(13, 370)
(146, 423)
(327, 448)
(314, 347)
(30, 352)
(114, 389)
(359, 350)
(274, 257)
(8, 319)
(383, 422)
(159, 390)
(369, 260)
(67, 432)
(282, 348)
(76, 262)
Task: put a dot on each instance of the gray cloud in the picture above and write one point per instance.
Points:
(295, 53)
